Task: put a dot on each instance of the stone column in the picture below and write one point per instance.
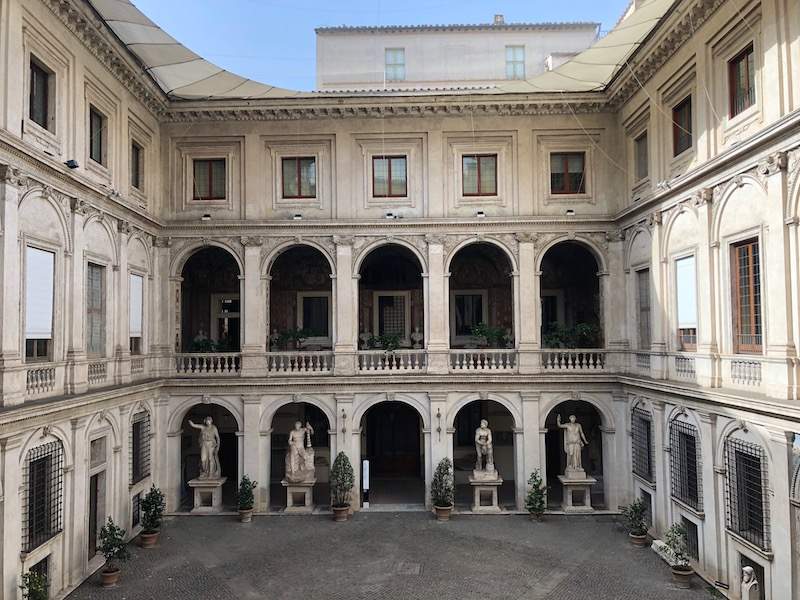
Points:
(712, 498)
(12, 375)
(707, 357)
(622, 445)
(530, 307)
(346, 342)
(613, 486)
(251, 455)
(658, 301)
(254, 319)
(662, 499)
(122, 353)
(437, 339)
(77, 376)
(529, 449)
(439, 438)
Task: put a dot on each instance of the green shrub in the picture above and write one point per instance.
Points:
(113, 545)
(536, 500)
(34, 586)
(342, 481)
(245, 495)
(633, 514)
(675, 539)
(153, 507)
(442, 493)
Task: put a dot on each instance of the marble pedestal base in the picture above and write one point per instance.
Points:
(481, 486)
(299, 496)
(582, 488)
(207, 494)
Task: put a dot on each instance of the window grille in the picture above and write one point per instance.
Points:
(692, 540)
(136, 510)
(42, 568)
(746, 506)
(642, 444)
(140, 447)
(43, 485)
(648, 507)
(685, 464)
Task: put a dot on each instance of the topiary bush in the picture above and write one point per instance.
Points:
(536, 499)
(633, 514)
(245, 495)
(113, 545)
(442, 489)
(342, 481)
(153, 507)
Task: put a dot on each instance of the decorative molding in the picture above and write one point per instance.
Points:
(774, 163)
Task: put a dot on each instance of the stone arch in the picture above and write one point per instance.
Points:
(140, 407)
(731, 190)
(44, 435)
(40, 193)
(670, 226)
(184, 254)
(606, 414)
(748, 431)
(367, 250)
(135, 241)
(181, 409)
(631, 249)
(590, 245)
(268, 261)
(104, 224)
(97, 420)
(512, 261)
(512, 408)
(265, 422)
(361, 408)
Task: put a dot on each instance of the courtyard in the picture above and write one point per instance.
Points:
(392, 556)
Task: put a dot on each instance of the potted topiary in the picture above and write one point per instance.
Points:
(34, 586)
(442, 490)
(536, 500)
(114, 548)
(246, 499)
(682, 571)
(342, 481)
(153, 507)
(633, 514)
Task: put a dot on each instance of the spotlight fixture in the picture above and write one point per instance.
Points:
(389, 216)
(570, 212)
(297, 217)
(480, 214)
(72, 163)
(205, 217)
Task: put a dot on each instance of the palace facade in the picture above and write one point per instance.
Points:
(616, 238)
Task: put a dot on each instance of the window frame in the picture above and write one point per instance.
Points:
(747, 54)
(484, 293)
(565, 156)
(101, 138)
(298, 174)
(637, 159)
(685, 474)
(513, 63)
(209, 161)
(640, 310)
(678, 128)
(316, 340)
(756, 305)
(642, 449)
(48, 356)
(478, 159)
(34, 65)
(405, 340)
(400, 66)
(686, 336)
(389, 158)
(101, 312)
(136, 342)
(142, 444)
(136, 167)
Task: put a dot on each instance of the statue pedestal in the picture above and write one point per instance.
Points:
(299, 496)
(486, 484)
(207, 494)
(577, 496)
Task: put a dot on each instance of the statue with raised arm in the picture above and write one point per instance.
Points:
(300, 454)
(209, 449)
(484, 448)
(574, 441)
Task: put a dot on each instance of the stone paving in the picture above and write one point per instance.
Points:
(382, 556)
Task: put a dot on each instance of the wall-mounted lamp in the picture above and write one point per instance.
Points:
(205, 217)
(570, 212)
(72, 163)
(480, 214)
(297, 217)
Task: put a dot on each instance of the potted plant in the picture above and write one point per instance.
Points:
(34, 586)
(342, 481)
(442, 490)
(153, 507)
(293, 338)
(633, 514)
(246, 499)
(114, 548)
(536, 500)
(682, 571)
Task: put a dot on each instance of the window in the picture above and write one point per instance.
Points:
(135, 312)
(643, 292)
(515, 62)
(746, 292)
(389, 177)
(470, 310)
(682, 126)
(140, 447)
(747, 509)
(97, 136)
(39, 285)
(684, 464)
(742, 81)
(567, 173)
(209, 182)
(314, 315)
(641, 154)
(95, 310)
(299, 177)
(686, 287)
(479, 174)
(137, 166)
(43, 490)
(692, 541)
(39, 99)
(136, 510)
(97, 452)
(392, 314)
(647, 499)
(642, 444)
(395, 69)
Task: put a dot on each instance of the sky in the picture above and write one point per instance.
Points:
(273, 41)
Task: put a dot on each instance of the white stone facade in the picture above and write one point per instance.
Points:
(738, 180)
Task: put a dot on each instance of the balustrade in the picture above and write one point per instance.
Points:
(397, 361)
(301, 363)
(483, 360)
(573, 360)
(219, 364)
(40, 380)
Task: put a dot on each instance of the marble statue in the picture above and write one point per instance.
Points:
(749, 584)
(574, 441)
(484, 448)
(209, 449)
(300, 454)
(416, 338)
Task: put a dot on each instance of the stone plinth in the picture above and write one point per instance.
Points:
(582, 487)
(485, 484)
(207, 494)
(299, 496)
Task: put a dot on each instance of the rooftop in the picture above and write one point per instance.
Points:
(499, 24)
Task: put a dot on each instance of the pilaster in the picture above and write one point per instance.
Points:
(77, 377)
(12, 373)
(436, 312)
(529, 328)
(251, 465)
(346, 308)
(707, 357)
(711, 494)
(658, 298)
(122, 354)
(254, 309)
(661, 516)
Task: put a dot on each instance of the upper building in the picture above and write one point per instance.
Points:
(431, 57)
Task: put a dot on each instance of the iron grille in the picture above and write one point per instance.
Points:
(642, 443)
(685, 464)
(140, 447)
(746, 506)
(136, 510)
(42, 568)
(43, 486)
(692, 541)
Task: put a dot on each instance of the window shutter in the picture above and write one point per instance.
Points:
(136, 305)
(39, 276)
(687, 292)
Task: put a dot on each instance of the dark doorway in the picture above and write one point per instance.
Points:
(95, 494)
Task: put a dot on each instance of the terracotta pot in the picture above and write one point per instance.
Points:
(340, 513)
(148, 539)
(682, 577)
(443, 512)
(640, 541)
(109, 578)
(245, 516)
(536, 516)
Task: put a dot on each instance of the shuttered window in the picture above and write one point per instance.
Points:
(686, 290)
(95, 310)
(643, 293)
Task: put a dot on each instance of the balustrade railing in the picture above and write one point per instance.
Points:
(684, 367)
(573, 360)
(483, 360)
(396, 361)
(137, 365)
(301, 363)
(40, 380)
(643, 361)
(746, 372)
(218, 364)
(98, 372)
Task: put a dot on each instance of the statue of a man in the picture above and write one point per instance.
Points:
(300, 454)
(574, 441)
(209, 449)
(484, 447)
